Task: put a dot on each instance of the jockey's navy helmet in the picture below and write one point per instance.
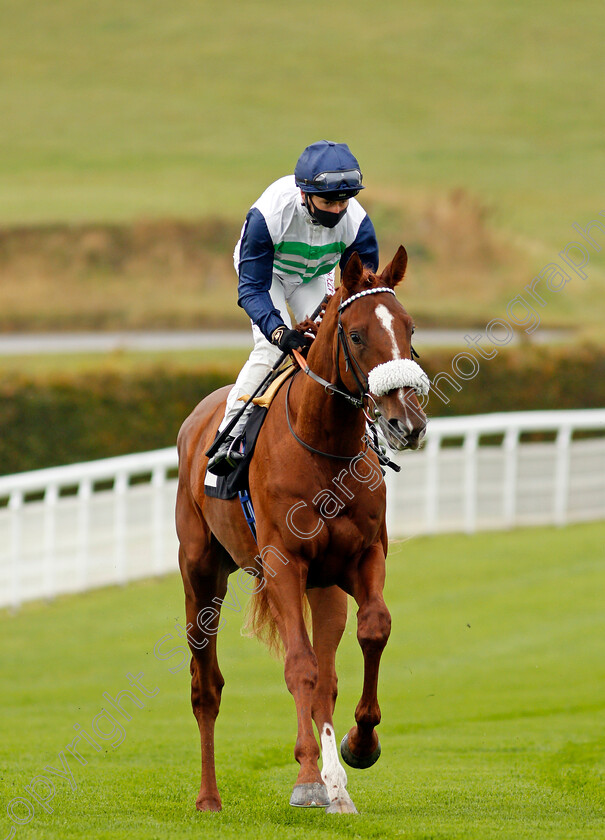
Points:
(329, 169)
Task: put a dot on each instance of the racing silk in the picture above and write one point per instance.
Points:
(280, 240)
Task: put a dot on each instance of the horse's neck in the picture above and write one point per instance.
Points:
(325, 421)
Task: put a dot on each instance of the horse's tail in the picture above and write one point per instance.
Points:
(261, 624)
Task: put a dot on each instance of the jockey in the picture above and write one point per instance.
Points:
(293, 238)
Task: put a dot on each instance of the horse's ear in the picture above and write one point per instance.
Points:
(395, 270)
(352, 276)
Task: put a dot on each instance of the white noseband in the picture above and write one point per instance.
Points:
(398, 373)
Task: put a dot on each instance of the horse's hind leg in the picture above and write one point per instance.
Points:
(329, 616)
(205, 587)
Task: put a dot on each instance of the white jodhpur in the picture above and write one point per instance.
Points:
(334, 775)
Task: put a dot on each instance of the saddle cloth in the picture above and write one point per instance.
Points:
(228, 486)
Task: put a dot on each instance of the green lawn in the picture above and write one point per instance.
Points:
(479, 126)
(225, 360)
(122, 109)
(492, 692)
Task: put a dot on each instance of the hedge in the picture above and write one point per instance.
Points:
(66, 419)
(521, 379)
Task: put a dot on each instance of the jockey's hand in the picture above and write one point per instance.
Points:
(288, 340)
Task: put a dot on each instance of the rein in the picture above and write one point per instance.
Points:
(329, 388)
(361, 381)
(301, 441)
(373, 444)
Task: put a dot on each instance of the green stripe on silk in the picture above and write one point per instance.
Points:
(309, 252)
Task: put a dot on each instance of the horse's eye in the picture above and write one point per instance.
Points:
(413, 330)
(355, 338)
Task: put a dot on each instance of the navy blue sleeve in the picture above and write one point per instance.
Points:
(256, 272)
(365, 244)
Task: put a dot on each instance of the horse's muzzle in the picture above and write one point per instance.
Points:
(403, 434)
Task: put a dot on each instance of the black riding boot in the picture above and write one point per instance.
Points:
(226, 458)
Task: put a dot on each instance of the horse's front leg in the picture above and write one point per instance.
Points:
(285, 589)
(329, 612)
(360, 747)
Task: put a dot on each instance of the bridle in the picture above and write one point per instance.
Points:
(361, 380)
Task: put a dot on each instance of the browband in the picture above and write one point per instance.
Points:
(349, 300)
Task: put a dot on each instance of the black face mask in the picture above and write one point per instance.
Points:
(324, 217)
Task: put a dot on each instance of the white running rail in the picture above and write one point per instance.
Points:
(73, 528)
(495, 478)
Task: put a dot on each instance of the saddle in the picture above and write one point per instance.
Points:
(236, 482)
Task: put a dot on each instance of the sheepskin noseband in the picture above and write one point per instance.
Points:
(398, 373)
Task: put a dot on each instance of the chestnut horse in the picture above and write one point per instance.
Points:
(319, 500)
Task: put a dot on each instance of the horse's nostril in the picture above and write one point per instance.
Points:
(400, 431)
(404, 427)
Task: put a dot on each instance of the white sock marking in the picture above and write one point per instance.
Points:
(333, 773)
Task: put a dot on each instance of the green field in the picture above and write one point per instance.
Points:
(125, 110)
(224, 360)
(479, 126)
(492, 692)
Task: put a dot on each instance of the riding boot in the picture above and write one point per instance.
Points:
(226, 458)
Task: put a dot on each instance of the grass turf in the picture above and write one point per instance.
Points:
(491, 690)
(121, 111)
(225, 360)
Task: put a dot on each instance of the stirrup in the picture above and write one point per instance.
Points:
(226, 459)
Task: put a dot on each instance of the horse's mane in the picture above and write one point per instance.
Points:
(369, 281)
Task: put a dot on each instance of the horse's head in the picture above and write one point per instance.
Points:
(374, 346)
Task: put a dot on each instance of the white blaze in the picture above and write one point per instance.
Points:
(397, 373)
(386, 319)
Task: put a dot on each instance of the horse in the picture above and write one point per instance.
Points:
(318, 493)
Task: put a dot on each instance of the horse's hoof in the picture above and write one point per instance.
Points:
(341, 806)
(358, 762)
(209, 803)
(310, 795)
